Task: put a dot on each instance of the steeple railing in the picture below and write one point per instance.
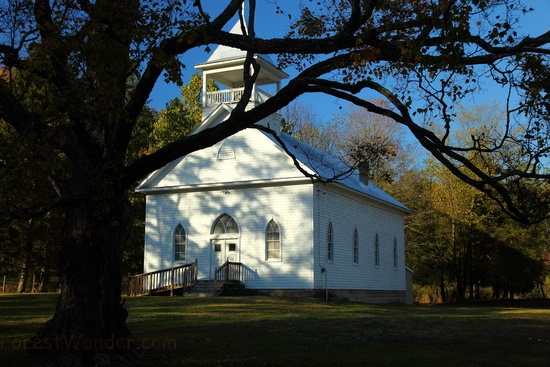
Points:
(234, 95)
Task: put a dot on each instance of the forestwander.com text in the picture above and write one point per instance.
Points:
(86, 343)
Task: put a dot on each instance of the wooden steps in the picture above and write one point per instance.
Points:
(204, 288)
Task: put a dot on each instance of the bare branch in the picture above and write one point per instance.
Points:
(314, 177)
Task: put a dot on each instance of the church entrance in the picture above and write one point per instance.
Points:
(224, 242)
(224, 250)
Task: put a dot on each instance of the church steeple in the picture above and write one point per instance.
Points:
(226, 66)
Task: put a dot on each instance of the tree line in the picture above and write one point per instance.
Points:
(459, 243)
(29, 248)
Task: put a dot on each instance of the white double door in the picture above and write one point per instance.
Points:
(224, 250)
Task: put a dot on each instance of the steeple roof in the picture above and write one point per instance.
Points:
(223, 52)
(225, 65)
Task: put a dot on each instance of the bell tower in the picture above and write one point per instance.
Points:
(226, 66)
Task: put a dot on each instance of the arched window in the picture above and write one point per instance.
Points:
(395, 252)
(226, 151)
(225, 224)
(273, 241)
(355, 246)
(180, 243)
(330, 243)
(376, 250)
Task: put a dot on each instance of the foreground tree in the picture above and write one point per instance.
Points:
(83, 53)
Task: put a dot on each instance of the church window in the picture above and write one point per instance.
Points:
(226, 151)
(180, 243)
(355, 247)
(376, 250)
(395, 252)
(225, 224)
(273, 241)
(330, 243)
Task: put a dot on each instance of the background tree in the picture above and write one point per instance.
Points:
(458, 238)
(181, 115)
(29, 244)
(418, 56)
(459, 242)
(301, 121)
(426, 250)
(355, 136)
(362, 136)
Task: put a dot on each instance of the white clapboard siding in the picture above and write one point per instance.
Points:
(347, 213)
(252, 209)
(249, 177)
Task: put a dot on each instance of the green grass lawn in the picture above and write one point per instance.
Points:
(262, 331)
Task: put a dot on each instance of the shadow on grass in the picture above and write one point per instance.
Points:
(274, 332)
(262, 331)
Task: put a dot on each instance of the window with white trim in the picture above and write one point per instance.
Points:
(226, 151)
(395, 252)
(376, 251)
(355, 246)
(273, 241)
(180, 243)
(225, 224)
(330, 243)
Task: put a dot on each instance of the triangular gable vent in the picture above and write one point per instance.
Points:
(226, 151)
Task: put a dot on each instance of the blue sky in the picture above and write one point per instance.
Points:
(325, 107)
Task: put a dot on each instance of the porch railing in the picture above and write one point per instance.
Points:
(183, 276)
(228, 272)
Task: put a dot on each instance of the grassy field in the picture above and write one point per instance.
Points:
(261, 331)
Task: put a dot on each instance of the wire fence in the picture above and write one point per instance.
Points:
(9, 284)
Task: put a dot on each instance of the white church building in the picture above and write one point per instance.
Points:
(244, 201)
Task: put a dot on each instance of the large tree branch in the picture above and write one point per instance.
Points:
(169, 48)
(211, 32)
(235, 123)
(315, 177)
(494, 186)
(17, 115)
(34, 211)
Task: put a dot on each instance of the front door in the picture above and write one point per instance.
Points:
(222, 251)
(225, 240)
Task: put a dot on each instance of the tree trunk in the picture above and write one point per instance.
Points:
(469, 270)
(458, 264)
(442, 282)
(42, 279)
(89, 324)
(23, 275)
(496, 292)
(27, 258)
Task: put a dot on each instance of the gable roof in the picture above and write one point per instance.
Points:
(335, 170)
(255, 157)
(246, 158)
